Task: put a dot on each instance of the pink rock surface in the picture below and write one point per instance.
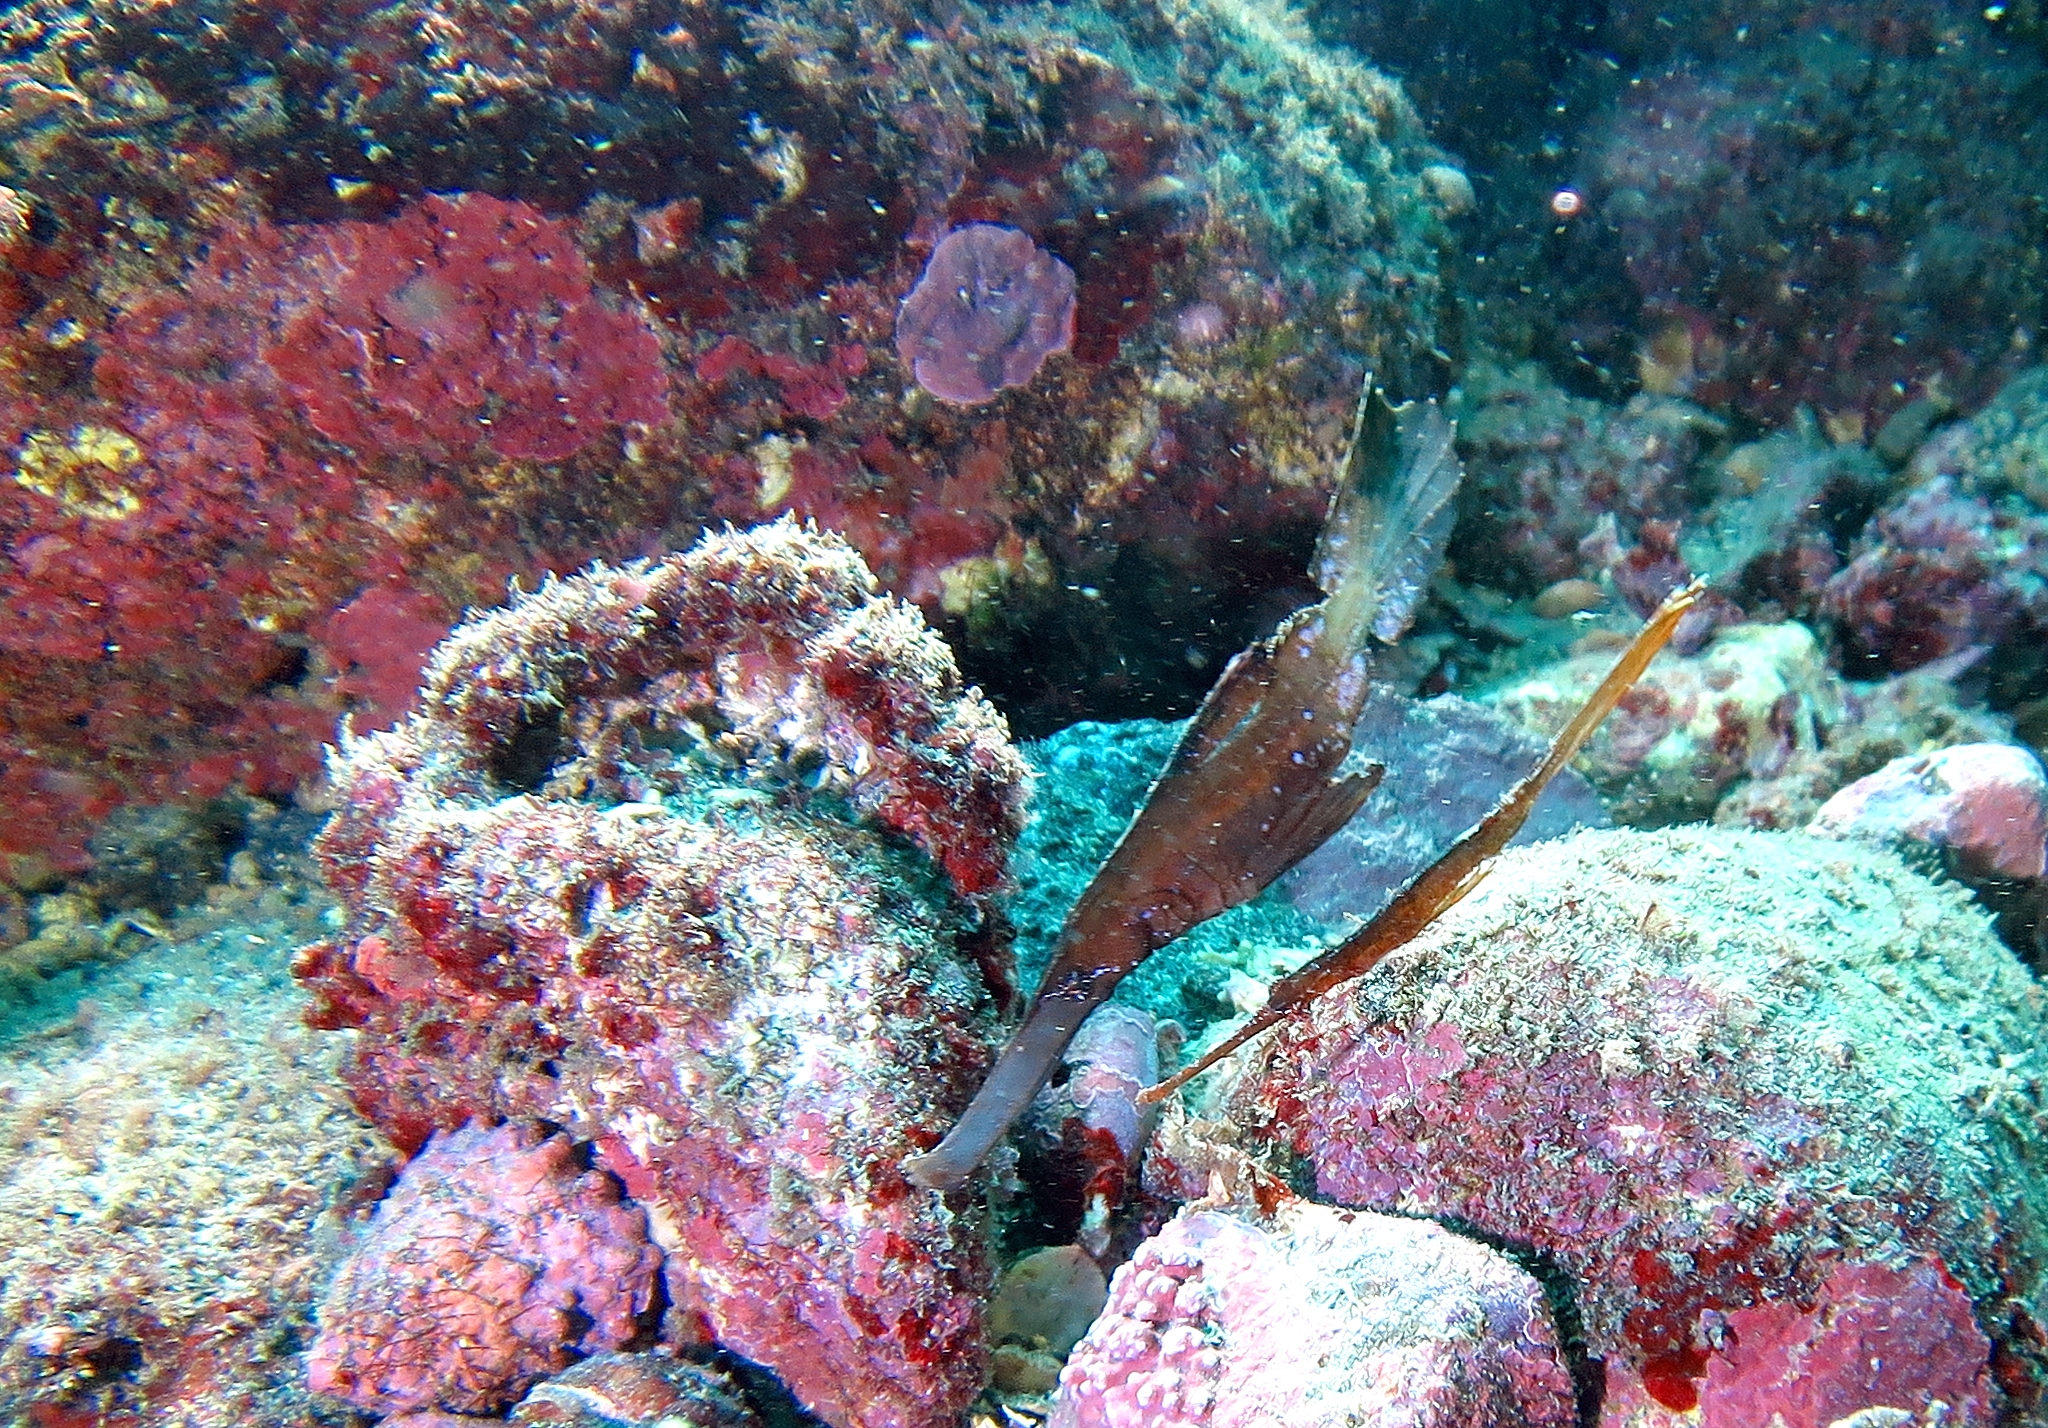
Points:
(1700, 1071)
(465, 321)
(1315, 1316)
(681, 858)
(1988, 803)
(493, 1262)
(1877, 1337)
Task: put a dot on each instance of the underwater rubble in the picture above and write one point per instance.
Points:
(601, 598)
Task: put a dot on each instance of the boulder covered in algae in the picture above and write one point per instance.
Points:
(1715, 1079)
(687, 859)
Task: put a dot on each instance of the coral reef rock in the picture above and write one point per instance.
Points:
(637, 1391)
(650, 865)
(176, 1155)
(1546, 467)
(1982, 802)
(1957, 561)
(1701, 1072)
(490, 1254)
(1904, 715)
(1694, 725)
(1313, 1316)
(2003, 447)
(1939, 571)
(251, 475)
(1831, 211)
(304, 305)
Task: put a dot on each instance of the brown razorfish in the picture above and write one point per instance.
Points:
(1437, 888)
(1259, 778)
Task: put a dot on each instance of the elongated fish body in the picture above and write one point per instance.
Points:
(1259, 778)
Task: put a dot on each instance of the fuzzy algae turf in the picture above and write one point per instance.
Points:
(1696, 1069)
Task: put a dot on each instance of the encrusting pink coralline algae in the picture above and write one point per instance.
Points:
(1744, 1092)
(686, 858)
(1308, 1315)
(495, 1261)
(989, 309)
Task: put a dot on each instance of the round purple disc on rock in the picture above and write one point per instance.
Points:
(989, 308)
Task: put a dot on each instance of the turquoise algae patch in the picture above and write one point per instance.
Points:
(1090, 779)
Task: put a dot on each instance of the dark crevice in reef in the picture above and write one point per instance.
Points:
(1588, 1373)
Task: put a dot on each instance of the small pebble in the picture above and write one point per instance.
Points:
(1569, 597)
